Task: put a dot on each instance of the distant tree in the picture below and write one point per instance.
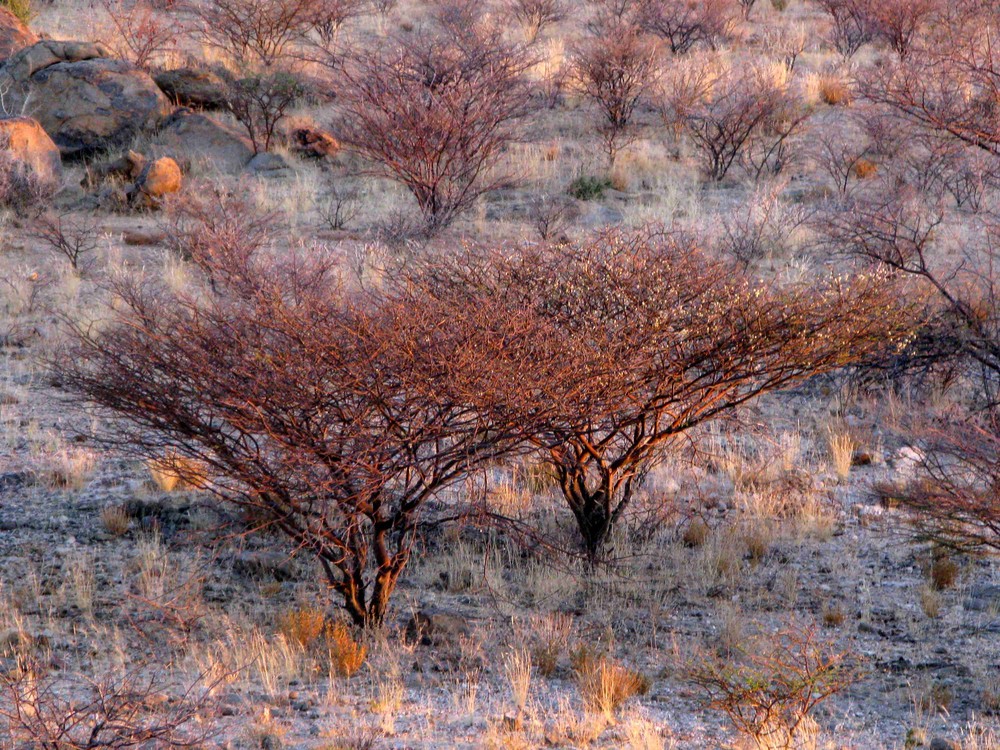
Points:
(660, 339)
(854, 23)
(615, 68)
(745, 115)
(686, 23)
(434, 112)
(260, 102)
(900, 22)
(536, 15)
(254, 33)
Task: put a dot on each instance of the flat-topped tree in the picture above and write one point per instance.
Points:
(333, 416)
(661, 338)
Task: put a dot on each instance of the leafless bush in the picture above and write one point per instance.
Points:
(71, 236)
(536, 15)
(340, 206)
(854, 24)
(616, 305)
(140, 35)
(743, 116)
(686, 23)
(261, 102)
(254, 32)
(953, 496)
(774, 686)
(746, 6)
(329, 16)
(113, 711)
(434, 112)
(551, 215)
(760, 227)
(839, 154)
(615, 68)
(900, 22)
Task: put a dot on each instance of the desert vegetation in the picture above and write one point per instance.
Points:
(504, 374)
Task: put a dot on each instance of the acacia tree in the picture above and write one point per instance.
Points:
(901, 22)
(660, 339)
(615, 68)
(434, 112)
(254, 32)
(686, 23)
(744, 115)
(854, 24)
(951, 83)
(333, 416)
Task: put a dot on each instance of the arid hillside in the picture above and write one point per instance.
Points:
(507, 374)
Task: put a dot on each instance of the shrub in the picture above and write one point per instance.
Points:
(74, 238)
(772, 688)
(943, 571)
(140, 35)
(854, 23)
(615, 305)
(606, 685)
(259, 103)
(684, 24)
(615, 68)
(434, 111)
(254, 33)
(586, 188)
(833, 91)
(22, 189)
(302, 626)
(222, 373)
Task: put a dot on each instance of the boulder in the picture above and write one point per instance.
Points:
(191, 87)
(14, 35)
(191, 138)
(30, 144)
(86, 101)
(267, 164)
(157, 179)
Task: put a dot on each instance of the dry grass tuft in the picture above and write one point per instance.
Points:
(606, 685)
(302, 626)
(943, 572)
(551, 637)
(346, 653)
(841, 447)
(115, 519)
(833, 91)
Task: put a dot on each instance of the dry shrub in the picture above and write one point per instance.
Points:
(303, 626)
(930, 601)
(22, 189)
(115, 519)
(606, 685)
(117, 710)
(769, 691)
(346, 653)
(833, 616)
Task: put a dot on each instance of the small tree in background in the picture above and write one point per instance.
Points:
(615, 68)
(260, 102)
(435, 112)
(687, 23)
(254, 33)
(661, 338)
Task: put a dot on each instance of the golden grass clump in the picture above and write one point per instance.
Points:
(173, 473)
(943, 572)
(606, 685)
(347, 654)
(833, 91)
(115, 519)
(842, 447)
(302, 626)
